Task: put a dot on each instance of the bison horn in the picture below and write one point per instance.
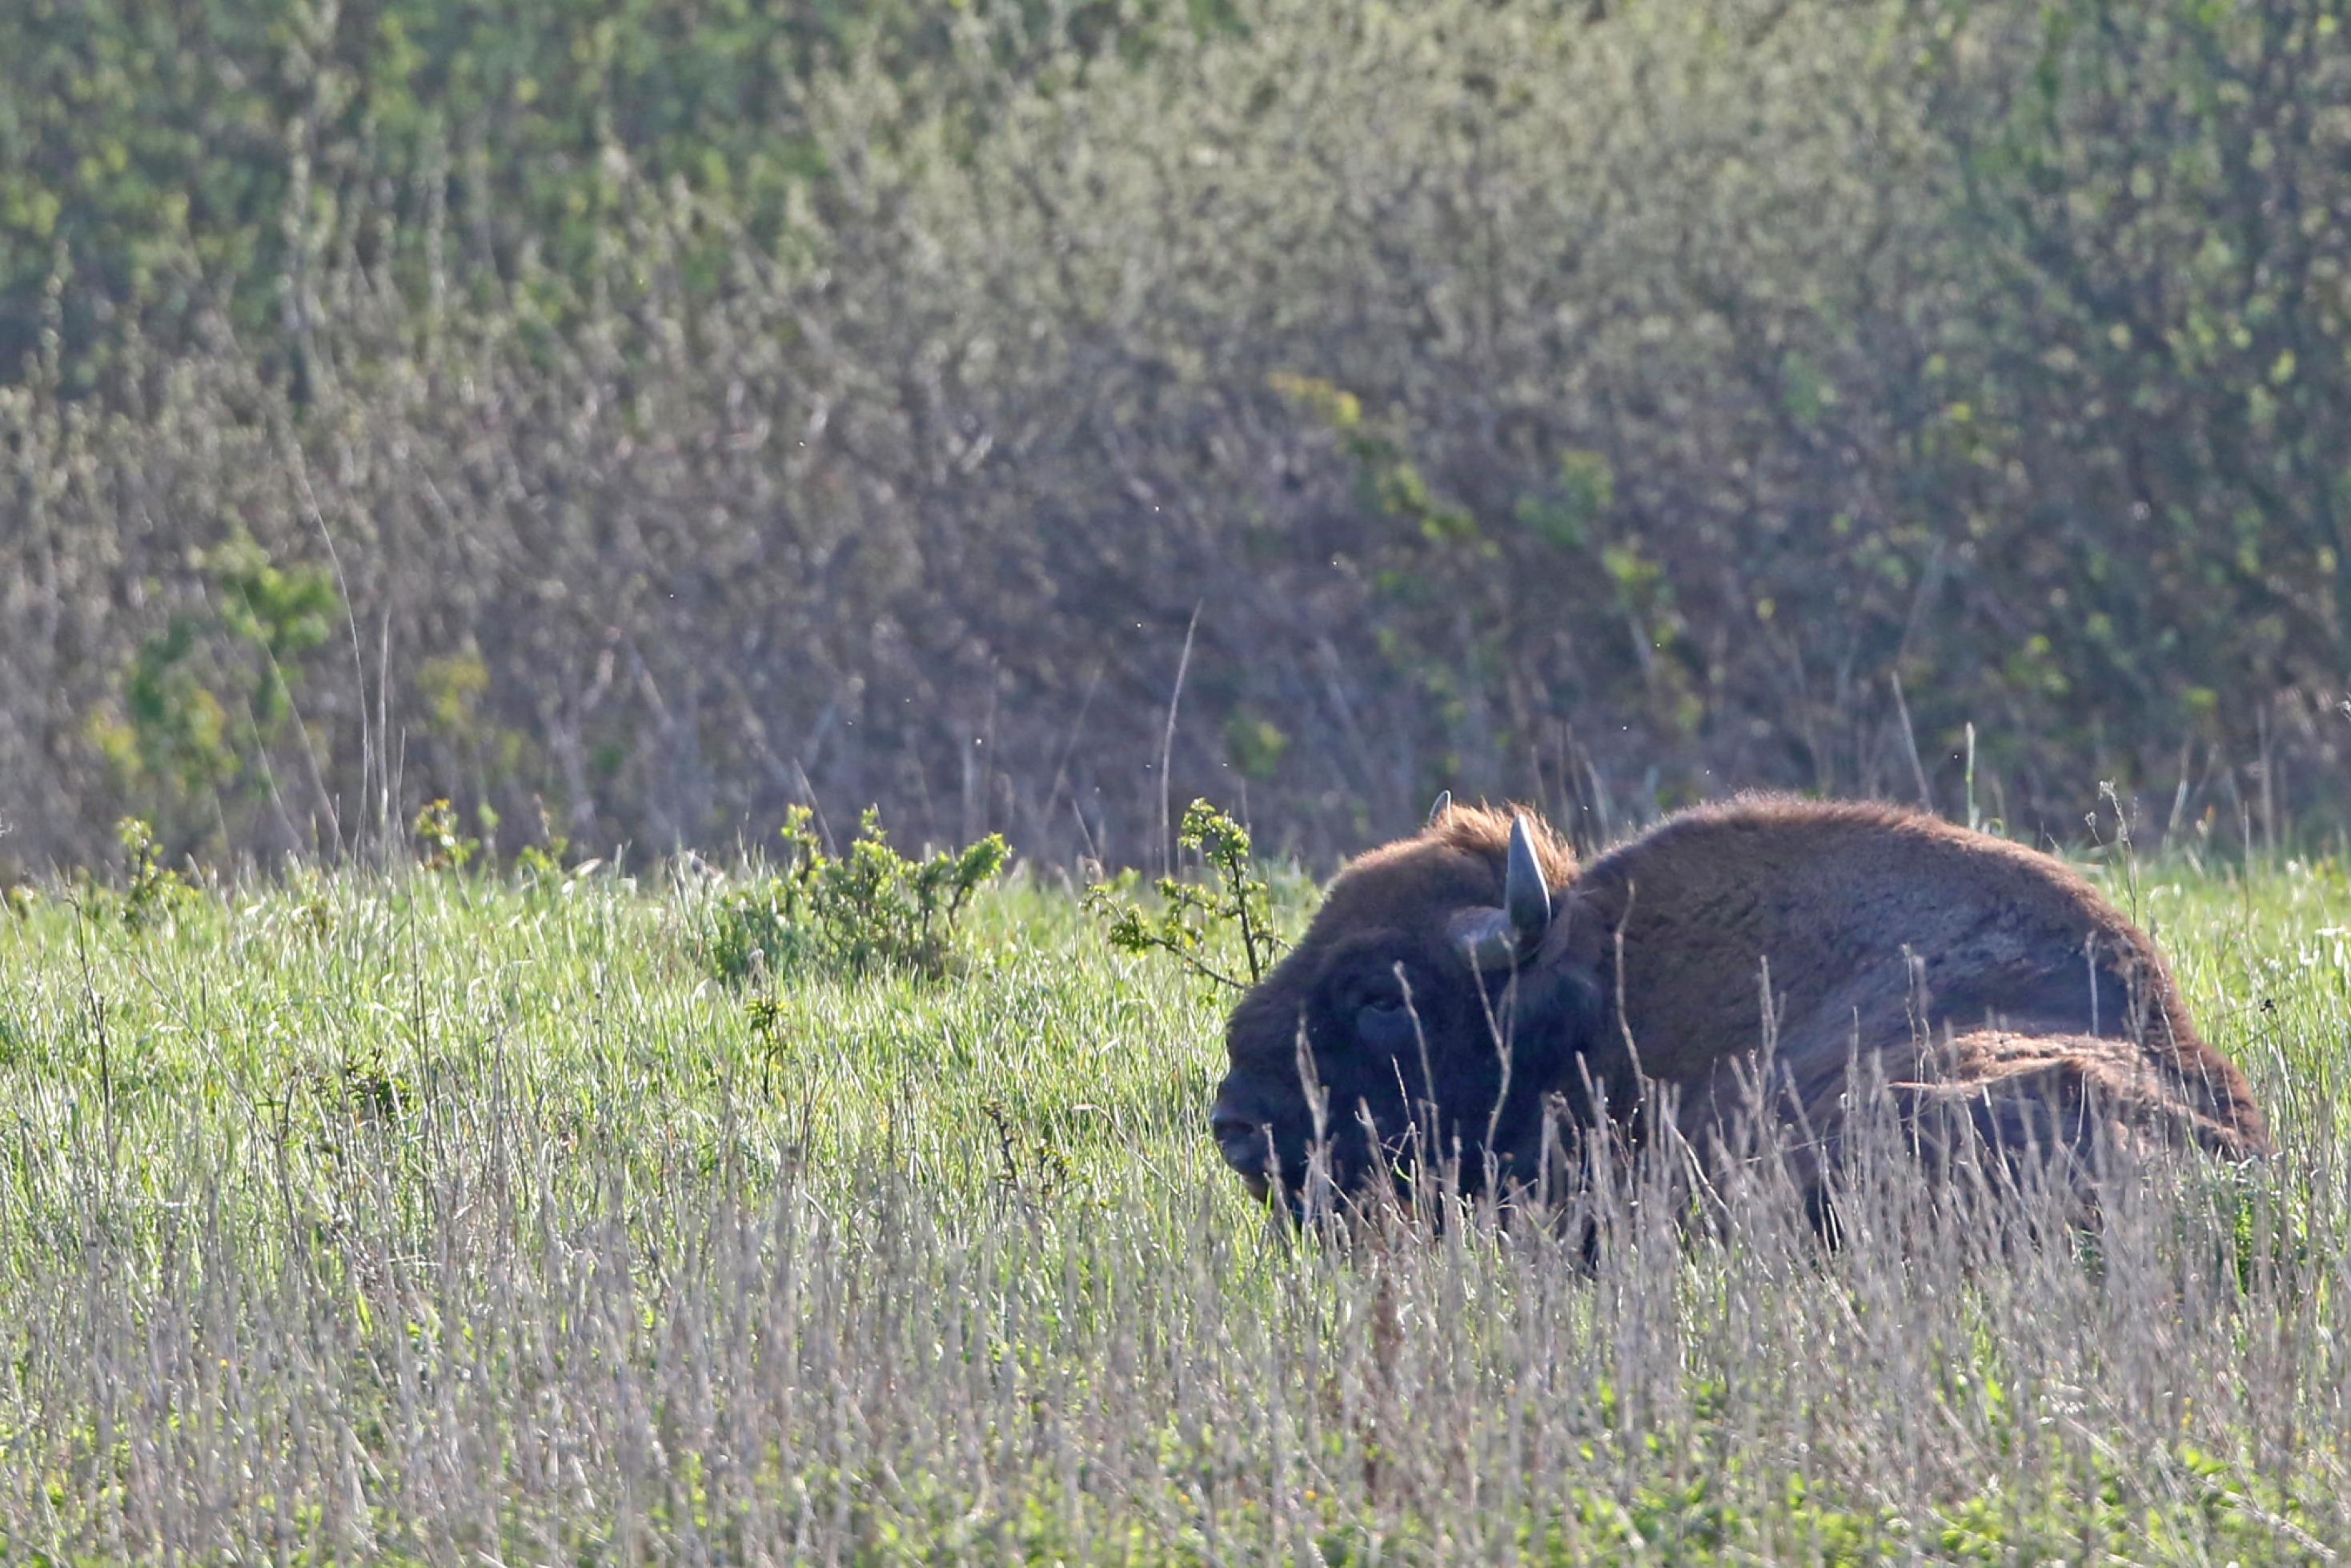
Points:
(1497, 938)
(1525, 895)
(1444, 804)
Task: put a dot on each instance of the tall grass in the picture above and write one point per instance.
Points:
(429, 1219)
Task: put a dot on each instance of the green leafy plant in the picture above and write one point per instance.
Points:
(870, 908)
(1029, 1166)
(1196, 919)
(542, 862)
(152, 891)
(315, 917)
(203, 702)
(442, 843)
(277, 613)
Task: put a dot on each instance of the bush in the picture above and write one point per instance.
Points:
(442, 843)
(152, 892)
(870, 909)
(1615, 403)
(1198, 923)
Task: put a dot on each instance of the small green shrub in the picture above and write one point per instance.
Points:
(1194, 918)
(542, 864)
(20, 900)
(152, 892)
(872, 908)
(203, 703)
(441, 842)
(1028, 1164)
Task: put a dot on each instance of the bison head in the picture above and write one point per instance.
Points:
(1437, 997)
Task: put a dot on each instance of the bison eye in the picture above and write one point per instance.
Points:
(1386, 1023)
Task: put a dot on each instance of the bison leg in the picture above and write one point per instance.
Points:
(2057, 1101)
(2034, 1110)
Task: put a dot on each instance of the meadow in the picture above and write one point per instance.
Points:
(444, 1215)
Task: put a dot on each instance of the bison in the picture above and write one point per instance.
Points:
(1459, 991)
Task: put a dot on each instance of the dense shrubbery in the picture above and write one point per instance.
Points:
(713, 406)
(869, 908)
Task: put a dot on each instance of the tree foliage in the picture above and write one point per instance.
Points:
(673, 411)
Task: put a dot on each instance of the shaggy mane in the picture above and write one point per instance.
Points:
(1485, 830)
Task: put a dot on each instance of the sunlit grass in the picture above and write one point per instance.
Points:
(367, 1218)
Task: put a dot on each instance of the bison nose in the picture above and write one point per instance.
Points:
(1240, 1139)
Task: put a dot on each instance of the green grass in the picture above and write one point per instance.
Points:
(425, 1218)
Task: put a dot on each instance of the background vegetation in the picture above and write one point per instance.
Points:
(442, 1216)
(660, 412)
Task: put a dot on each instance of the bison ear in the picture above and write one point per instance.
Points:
(1483, 933)
(1443, 804)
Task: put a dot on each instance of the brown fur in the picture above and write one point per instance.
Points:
(1961, 967)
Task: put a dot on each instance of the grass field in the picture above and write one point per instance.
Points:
(434, 1218)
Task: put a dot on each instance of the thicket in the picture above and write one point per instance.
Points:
(694, 407)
